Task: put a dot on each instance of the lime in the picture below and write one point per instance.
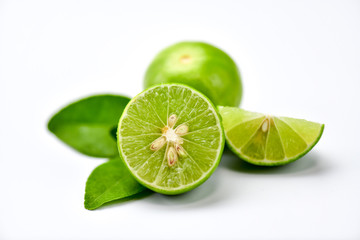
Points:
(268, 140)
(171, 138)
(201, 66)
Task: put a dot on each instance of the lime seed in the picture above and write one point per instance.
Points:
(182, 130)
(158, 143)
(172, 156)
(172, 120)
(265, 125)
(180, 150)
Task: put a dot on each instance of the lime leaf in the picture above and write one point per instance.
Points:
(110, 181)
(88, 125)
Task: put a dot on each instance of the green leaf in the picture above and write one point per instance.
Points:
(88, 125)
(110, 181)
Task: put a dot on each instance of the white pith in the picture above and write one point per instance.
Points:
(171, 136)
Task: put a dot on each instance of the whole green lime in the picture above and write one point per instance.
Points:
(201, 66)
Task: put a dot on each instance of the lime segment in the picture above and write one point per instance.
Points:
(293, 144)
(171, 138)
(268, 140)
(245, 129)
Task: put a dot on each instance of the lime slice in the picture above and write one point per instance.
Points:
(268, 140)
(171, 138)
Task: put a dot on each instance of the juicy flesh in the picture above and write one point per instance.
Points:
(170, 137)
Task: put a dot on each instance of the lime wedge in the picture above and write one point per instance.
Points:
(268, 140)
(171, 138)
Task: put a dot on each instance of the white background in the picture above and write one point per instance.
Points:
(297, 59)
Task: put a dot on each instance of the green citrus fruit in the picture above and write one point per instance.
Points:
(201, 66)
(268, 140)
(171, 138)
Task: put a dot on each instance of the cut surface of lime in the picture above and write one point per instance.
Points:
(171, 138)
(268, 140)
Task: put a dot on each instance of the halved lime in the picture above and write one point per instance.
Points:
(268, 140)
(171, 138)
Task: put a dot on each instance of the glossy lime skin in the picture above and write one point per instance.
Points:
(201, 66)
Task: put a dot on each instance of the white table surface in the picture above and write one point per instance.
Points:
(297, 59)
